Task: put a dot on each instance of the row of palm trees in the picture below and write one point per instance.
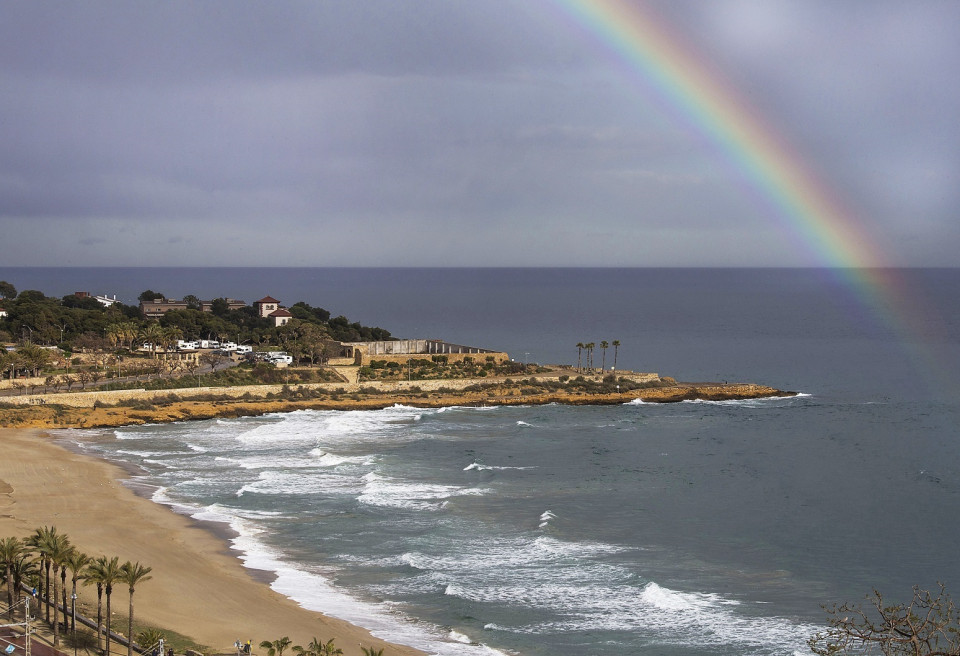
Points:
(30, 561)
(126, 333)
(589, 346)
(316, 648)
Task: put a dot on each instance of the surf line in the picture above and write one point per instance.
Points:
(799, 201)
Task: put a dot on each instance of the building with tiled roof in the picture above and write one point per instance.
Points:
(281, 317)
(266, 305)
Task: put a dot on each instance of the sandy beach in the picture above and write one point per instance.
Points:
(199, 587)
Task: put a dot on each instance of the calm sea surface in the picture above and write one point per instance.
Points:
(695, 528)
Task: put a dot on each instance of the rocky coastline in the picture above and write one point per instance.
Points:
(184, 407)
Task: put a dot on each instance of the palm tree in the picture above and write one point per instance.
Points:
(309, 650)
(78, 562)
(151, 334)
(603, 362)
(371, 651)
(41, 542)
(169, 338)
(616, 347)
(20, 571)
(133, 574)
(329, 649)
(319, 648)
(10, 549)
(149, 637)
(95, 573)
(589, 346)
(579, 352)
(58, 554)
(111, 574)
(276, 647)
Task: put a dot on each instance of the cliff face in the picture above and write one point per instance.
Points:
(56, 416)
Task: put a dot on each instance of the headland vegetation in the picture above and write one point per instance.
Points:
(91, 361)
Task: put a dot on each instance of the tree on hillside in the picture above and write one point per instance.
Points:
(149, 295)
(7, 291)
(579, 353)
(603, 363)
(928, 626)
(616, 348)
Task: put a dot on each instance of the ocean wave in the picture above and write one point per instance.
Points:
(744, 403)
(391, 493)
(545, 519)
(313, 591)
(476, 466)
(297, 483)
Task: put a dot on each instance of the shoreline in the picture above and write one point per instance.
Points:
(200, 586)
(148, 407)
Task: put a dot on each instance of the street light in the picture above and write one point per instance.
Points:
(73, 597)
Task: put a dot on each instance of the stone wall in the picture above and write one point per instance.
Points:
(451, 357)
(88, 399)
(406, 349)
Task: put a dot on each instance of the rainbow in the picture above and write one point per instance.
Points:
(802, 204)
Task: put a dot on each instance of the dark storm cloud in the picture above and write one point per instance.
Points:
(501, 130)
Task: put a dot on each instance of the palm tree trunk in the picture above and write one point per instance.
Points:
(56, 606)
(63, 594)
(46, 587)
(130, 627)
(106, 649)
(99, 616)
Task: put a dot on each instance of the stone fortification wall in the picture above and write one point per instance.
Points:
(402, 350)
(451, 357)
(88, 399)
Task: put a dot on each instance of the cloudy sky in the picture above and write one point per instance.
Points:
(448, 133)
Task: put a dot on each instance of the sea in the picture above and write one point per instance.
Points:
(697, 528)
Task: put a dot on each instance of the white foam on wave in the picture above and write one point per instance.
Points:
(545, 519)
(741, 403)
(312, 591)
(273, 482)
(636, 402)
(584, 591)
(323, 458)
(476, 466)
(392, 493)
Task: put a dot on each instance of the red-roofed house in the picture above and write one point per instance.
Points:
(281, 317)
(266, 305)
